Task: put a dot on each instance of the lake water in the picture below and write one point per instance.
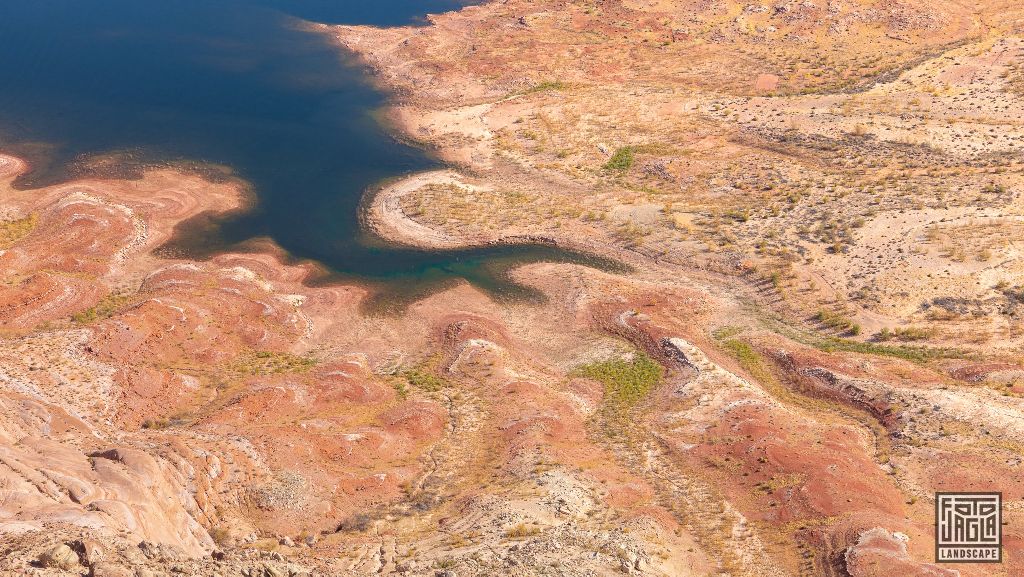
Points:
(232, 83)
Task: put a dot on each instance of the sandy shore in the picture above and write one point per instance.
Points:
(386, 217)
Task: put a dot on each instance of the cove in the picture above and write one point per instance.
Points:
(238, 84)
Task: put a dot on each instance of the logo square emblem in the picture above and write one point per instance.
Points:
(968, 527)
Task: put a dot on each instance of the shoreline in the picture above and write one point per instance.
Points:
(589, 326)
(382, 214)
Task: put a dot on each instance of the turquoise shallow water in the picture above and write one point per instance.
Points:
(233, 83)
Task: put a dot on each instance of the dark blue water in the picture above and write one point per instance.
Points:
(236, 88)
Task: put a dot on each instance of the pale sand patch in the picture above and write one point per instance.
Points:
(766, 82)
(11, 166)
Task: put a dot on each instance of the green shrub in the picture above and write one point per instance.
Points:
(521, 531)
(157, 423)
(626, 382)
(751, 362)
(11, 231)
(913, 334)
(836, 321)
(424, 380)
(547, 85)
(271, 363)
(106, 308)
(917, 354)
(622, 159)
(401, 390)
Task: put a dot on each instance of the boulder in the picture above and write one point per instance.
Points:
(59, 557)
(89, 552)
